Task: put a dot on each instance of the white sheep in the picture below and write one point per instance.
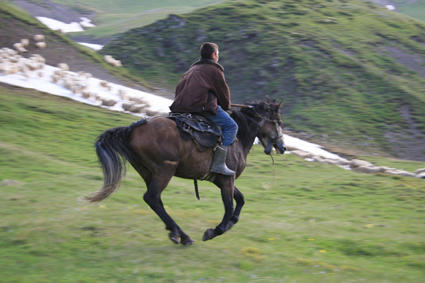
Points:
(127, 105)
(367, 169)
(103, 83)
(138, 100)
(356, 163)
(85, 93)
(59, 73)
(15, 59)
(25, 42)
(108, 102)
(317, 158)
(63, 66)
(41, 45)
(301, 153)
(75, 89)
(10, 52)
(330, 161)
(117, 63)
(38, 58)
(151, 112)
(10, 69)
(55, 78)
(19, 47)
(112, 61)
(33, 66)
(137, 108)
(38, 37)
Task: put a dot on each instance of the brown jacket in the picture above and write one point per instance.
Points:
(202, 88)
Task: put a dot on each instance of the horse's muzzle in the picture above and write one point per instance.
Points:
(278, 145)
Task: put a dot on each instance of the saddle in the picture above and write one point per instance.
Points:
(204, 133)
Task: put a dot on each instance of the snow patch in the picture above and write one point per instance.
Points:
(309, 147)
(64, 27)
(86, 23)
(58, 25)
(91, 45)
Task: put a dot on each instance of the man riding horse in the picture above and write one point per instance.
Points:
(157, 151)
(203, 90)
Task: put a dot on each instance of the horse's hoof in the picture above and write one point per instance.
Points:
(208, 235)
(174, 237)
(186, 242)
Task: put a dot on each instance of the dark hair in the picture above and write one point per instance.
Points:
(207, 49)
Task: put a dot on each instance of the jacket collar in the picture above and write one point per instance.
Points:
(208, 61)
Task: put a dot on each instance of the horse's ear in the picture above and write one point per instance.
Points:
(280, 104)
(277, 105)
(268, 98)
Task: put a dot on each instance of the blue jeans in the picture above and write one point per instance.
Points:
(229, 128)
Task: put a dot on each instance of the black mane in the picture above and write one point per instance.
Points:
(245, 133)
(247, 128)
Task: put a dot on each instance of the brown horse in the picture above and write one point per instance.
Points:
(158, 152)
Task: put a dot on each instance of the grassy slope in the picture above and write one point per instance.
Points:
(308, 218)
(326, 59)
(114, 17)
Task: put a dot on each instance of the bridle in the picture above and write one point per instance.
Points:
(260, 128)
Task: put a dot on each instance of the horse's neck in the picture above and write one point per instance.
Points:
(251, 132)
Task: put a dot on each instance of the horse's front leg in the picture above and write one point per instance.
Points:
(240, 201)
(226, 184)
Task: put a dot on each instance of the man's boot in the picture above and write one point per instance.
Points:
(219, 162)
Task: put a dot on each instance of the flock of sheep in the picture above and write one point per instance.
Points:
(14, 62)
(360, 166)
(11, 63)
(38, 42)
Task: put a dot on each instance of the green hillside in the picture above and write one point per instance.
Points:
(112, 16)
(307, 222)
(348, 70)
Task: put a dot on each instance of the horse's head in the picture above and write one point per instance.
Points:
(270, 126)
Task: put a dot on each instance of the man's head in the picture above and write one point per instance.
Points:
(209, 50)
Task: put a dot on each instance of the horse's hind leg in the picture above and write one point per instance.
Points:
(156, 184)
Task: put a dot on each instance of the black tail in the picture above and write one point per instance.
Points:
(113, 151)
